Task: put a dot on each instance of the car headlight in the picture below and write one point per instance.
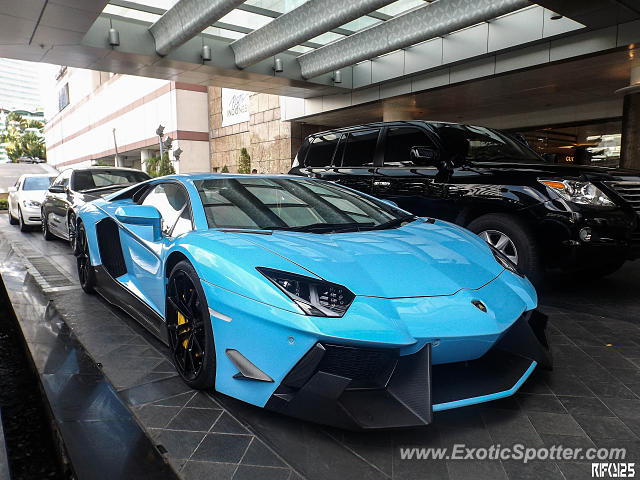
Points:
(502, 259)
(30, 203)
(315, 297)
(582, 193)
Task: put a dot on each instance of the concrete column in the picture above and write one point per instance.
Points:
(630, 143)
(144, 154)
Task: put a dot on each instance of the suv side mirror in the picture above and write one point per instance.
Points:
(56, 189)
(424, 156)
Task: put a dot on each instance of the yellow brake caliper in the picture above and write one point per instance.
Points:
(182, 321)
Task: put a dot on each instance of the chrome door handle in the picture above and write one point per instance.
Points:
(382, 184)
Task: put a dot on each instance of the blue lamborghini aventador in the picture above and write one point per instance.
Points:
(313, 299)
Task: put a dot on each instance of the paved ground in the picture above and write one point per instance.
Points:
(9, 172)
(590, 399)
(4, 464)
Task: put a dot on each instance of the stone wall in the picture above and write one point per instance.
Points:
(271, 143)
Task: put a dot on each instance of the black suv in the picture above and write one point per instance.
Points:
(539, 214)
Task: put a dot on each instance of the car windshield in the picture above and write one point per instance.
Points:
(292, 204)
(99, 179)
(479, 144)
(37, 183)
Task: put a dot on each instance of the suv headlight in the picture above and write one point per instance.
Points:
(315, 297)
(582, 193)
(502, 259)
(30, 203)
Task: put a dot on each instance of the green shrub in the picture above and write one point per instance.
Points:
(225, 169)
(158, 167)
(4, 204)
(244, 161)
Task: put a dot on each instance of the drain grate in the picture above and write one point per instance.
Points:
(49, 272)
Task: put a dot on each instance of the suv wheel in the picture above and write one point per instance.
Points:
(513, 238)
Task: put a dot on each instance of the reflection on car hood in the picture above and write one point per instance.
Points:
(36, 195)
(415, 260)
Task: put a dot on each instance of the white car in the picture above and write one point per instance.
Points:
(25, 199)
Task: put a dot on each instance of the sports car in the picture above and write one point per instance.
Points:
(312, 299)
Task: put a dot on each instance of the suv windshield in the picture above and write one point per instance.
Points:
(479, 144)
(37, 183)
(97, 179)
(292, 204)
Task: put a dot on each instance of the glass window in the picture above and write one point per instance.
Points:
(170, 200)
(289, 204)
(321, 151)
(480, 144)
(63, 179)
(360, 148)
(86, 180)
(36, 183)
(398, 145)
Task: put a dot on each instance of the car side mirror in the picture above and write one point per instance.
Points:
(56, 189)
(145, 215)
(427, 156)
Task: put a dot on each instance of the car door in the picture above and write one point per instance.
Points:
(356, 159)
(144, 258)
(415, 185)
(57, 204)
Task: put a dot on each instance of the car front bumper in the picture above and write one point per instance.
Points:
(363, 388)
(575, 240)
(382, 352)
(31, 216)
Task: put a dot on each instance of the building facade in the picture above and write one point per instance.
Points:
(105, 119)
(252, 121)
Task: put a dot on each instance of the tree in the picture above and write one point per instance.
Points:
(158, 167)
(225, 169)
(244, 161)
(23, 137)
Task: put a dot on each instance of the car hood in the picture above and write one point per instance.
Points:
(36, 195)
(419, 259)
(551, 170)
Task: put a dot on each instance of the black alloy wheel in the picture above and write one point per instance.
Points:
(86, 275)
(189, 328)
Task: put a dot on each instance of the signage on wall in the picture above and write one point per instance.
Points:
(235, 106)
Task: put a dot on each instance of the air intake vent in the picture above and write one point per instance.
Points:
(629, 191)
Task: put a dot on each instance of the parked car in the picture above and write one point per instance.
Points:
(312, 299)
(73, 188)
(25, 199)
(540, 215)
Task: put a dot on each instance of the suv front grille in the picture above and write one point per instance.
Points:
(630, 192)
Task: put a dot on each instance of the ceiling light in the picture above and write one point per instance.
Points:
(337, 76)
(556, 16)
(277, 65)
(114, 37)
(205, 53)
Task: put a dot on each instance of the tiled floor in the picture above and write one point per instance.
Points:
(590, 399)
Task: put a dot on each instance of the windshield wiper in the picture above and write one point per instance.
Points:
(396, 222)
(331, 227)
